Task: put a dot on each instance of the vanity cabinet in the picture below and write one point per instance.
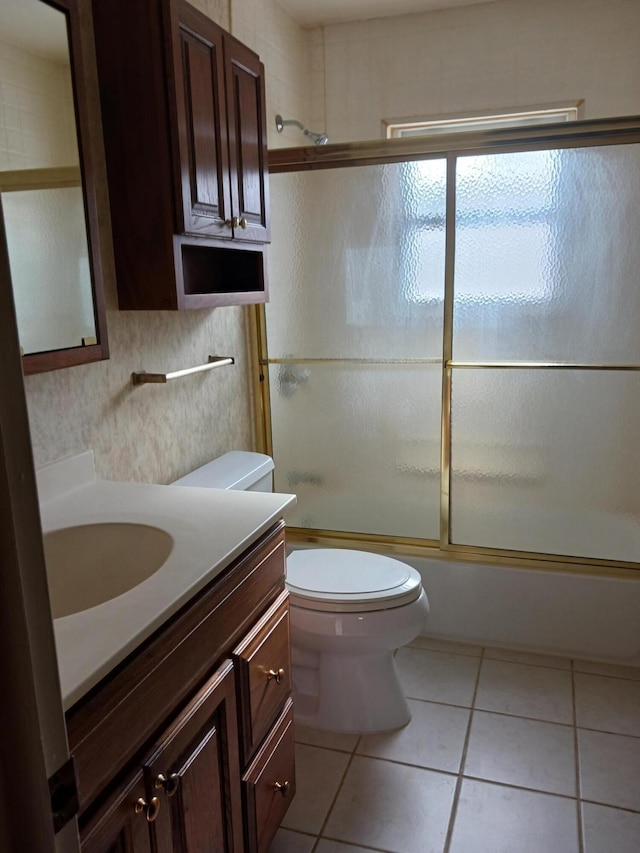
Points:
(184, 120)
(188, 745)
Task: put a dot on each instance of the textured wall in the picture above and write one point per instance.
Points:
(511, 53)
(157, 433)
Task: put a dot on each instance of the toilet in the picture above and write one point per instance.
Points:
(350, 611)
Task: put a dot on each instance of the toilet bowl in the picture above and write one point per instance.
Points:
(350, 611)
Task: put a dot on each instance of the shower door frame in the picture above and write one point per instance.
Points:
(580, 134)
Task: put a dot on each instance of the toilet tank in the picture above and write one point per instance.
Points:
(239, 469)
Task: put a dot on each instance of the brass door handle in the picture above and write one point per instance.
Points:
(283, 787)
(233, 223)
(169, 785)
(149, 809)
(277, 675)
(243, 223)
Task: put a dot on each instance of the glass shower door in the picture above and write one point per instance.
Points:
(544, 378)
(354, 338)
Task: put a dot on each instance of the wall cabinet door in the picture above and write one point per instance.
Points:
(122, 825)
(195, 773)
(247, 142)
(204, 199)
(220, 109)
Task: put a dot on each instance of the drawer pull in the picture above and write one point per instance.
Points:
(283, 787)
(277, 675)
(150, 810)
(170, 785)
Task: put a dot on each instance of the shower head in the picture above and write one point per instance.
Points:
(318, 138)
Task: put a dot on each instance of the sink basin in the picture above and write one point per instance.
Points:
(93, 563)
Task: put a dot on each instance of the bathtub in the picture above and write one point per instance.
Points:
(553, 612)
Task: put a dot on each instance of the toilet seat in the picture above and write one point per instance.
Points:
(349, 581)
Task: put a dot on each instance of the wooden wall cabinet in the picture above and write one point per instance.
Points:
(188, 746)
(185, 136)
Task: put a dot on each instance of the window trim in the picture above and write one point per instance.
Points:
(482, 120)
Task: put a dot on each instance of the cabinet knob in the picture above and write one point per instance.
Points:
(243, 223)
(149, 809)
(170, 785)
(278, 675)
(233, 223)
(283, 787)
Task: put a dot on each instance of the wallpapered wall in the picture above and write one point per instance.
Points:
(159, 432)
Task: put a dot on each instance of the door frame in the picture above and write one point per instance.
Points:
(33, 739)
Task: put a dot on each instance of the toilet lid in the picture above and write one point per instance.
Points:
(339, 580)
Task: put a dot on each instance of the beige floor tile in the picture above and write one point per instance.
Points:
(516, 656)
(496, 819)
(437, 676)
(609, 769)
(434, 738)
(605, 830)
(612, 669)
(608, 704)
(434, 644)
(525, 691)
(319, 773)
(522, 752)
(329, 740)
(327, 846)
(287, 841)
(392, 807)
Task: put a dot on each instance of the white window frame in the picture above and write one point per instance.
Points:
(401, 128)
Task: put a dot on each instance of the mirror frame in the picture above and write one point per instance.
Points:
(88, 116)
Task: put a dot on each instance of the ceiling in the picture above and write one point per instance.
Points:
(313, 13)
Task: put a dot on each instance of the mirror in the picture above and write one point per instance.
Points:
(50, 212)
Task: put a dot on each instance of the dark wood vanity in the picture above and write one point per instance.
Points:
(188, 744)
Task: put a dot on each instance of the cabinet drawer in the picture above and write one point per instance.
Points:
(263, 662)
(270, 784)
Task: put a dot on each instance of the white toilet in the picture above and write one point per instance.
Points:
(350, 610)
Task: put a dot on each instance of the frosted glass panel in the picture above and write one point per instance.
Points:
(547, 256)
(356, 265)
(359, 445)
(547, 461)
(51, 274)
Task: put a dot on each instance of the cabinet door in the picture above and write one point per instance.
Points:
(120, 826)
(195, 774)
(247, 142)
(203, 199)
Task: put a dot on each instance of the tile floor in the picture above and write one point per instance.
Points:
(506, 752)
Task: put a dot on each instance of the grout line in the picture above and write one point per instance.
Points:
(502, 713)
(607, 732)
(463, 758)
(610, 806)
(577, 761)
(360, 846)
(573, 666)
(335, 798)
(520, 787)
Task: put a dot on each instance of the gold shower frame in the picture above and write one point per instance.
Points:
(580, 134)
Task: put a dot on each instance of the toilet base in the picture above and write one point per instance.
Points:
(358, 693)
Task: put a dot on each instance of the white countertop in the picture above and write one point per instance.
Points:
(210, 528)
